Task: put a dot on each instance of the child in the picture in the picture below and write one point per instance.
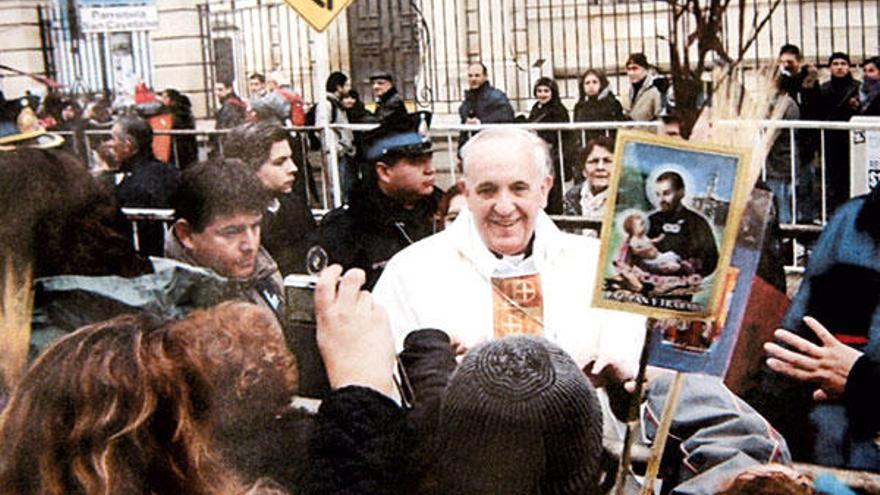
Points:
(641, 249)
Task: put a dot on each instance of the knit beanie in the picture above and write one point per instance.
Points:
(519, 417)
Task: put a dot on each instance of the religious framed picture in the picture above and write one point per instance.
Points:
(670, 225)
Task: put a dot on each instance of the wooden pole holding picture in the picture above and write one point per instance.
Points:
(662, 433)
(632, 417)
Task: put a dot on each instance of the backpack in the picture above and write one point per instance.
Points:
(314, 136)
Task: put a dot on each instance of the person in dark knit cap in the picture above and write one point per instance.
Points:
(522, 402)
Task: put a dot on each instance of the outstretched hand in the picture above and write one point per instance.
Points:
(827, 366)
(353, 332)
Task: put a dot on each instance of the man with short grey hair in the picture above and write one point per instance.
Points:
(504, 268)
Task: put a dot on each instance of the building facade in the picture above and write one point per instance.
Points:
(427, 44)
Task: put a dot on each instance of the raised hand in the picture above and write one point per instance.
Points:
(827, 366)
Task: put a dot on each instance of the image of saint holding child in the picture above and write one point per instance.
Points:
(663, 238)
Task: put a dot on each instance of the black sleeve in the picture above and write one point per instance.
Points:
(358, 445)
(706, 246)
(335, 237)
(429, 361)
(616, 109)
(861, 385)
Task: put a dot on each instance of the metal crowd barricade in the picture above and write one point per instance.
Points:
(450, 134)
(805, 226)
(135, 215)
(801, 230)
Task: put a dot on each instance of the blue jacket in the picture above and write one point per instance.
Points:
(487, 103)
(841, 289)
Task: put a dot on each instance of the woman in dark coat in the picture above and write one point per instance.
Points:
(596, 104)
(549, 109)
(179, 106)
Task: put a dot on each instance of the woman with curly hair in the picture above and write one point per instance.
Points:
(136, 405)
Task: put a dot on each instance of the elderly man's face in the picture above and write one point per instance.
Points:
(505, 191)
(380, 87)
(119, 147)
(229, 244)
(668, 197)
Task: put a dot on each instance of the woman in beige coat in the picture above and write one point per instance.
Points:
(644, 100)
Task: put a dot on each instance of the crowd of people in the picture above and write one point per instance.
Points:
(457, 345)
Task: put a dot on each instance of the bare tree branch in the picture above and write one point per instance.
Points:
(757, 31)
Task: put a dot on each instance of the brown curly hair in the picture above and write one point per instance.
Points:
(131, 405)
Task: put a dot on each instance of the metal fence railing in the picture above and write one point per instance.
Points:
(803, 210)
(517, 40)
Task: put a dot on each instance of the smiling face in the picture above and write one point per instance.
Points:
(597, 168)
(543, 94)
(591, 85)
(277, 173)
(229, 244)
(505, 190)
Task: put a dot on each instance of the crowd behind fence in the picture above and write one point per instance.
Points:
(805, 225)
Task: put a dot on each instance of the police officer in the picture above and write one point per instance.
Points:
(393, 204)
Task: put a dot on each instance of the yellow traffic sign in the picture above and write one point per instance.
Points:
(318, 13)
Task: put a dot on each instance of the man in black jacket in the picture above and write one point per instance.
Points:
(391, 207)
(838, 101)
(389, 105)
(288, 227)
(141, 180)
(232, 110)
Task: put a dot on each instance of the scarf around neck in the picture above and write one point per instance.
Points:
(869, 90)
